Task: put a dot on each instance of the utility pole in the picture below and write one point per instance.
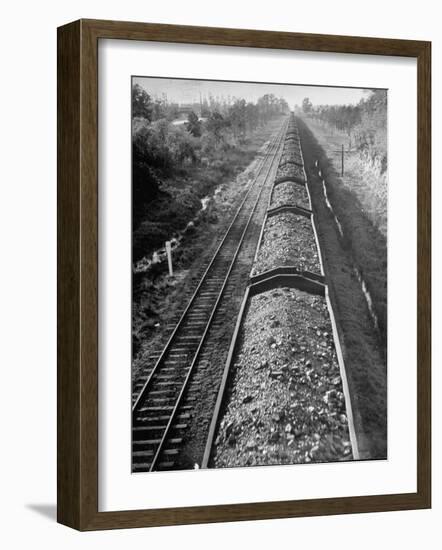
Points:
(341, 150)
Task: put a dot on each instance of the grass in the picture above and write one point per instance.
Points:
(361, 176)
(157, 296)
(179, 197)
(364, 247)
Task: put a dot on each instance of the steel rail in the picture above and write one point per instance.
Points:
(195, 294)
(234, 340)
(173, 414)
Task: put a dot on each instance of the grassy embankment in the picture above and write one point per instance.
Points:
(179, 196)
(363, 247)
(157, 297)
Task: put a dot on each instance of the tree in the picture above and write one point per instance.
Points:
(252, 116)
(181, 146)
(307, 105)
(141, 103)
(215, 124)
(283, 106)
(237, 118)
(364, 123)
(193, 124)
(157, 110)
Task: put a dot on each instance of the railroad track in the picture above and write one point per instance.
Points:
(163, 407)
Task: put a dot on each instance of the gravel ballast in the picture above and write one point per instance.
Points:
(286, 404)
(289, 193)
(288, 239)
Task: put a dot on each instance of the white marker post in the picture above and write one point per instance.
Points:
(169, 257)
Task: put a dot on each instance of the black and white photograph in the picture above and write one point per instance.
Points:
(217, 263)
(259, 274)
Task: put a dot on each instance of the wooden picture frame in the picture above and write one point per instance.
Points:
(78, 273)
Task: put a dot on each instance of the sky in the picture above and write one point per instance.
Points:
(188, 91)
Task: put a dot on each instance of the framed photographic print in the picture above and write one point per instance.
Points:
(243, 274)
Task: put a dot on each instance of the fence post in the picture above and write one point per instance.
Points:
(169, 257)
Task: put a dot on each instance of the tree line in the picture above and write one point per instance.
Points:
(176, 161)
(365, 123)
(161, 148)
(239, 116)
